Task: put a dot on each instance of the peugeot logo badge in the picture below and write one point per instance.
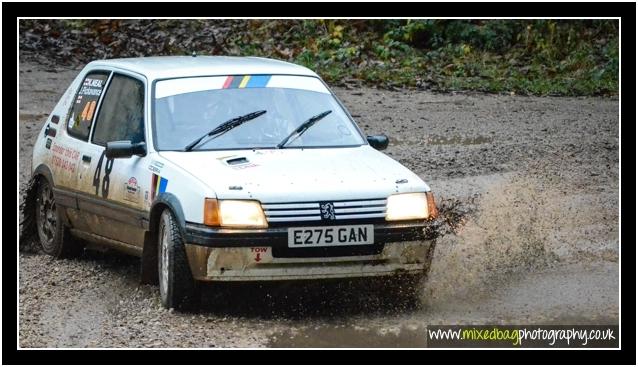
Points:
(327, 211)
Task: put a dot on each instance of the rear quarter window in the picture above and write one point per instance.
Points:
(85, 104)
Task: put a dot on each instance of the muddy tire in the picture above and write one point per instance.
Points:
(178, 289)
(54, 236)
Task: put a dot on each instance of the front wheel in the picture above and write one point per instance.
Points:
(177, 287)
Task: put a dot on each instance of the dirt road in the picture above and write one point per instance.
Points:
(538, 176)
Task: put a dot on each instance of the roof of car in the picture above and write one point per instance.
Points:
(161, 67)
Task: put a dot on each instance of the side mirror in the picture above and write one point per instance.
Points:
(124, 149)
(378, 142)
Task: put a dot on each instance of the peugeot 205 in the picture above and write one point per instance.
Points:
(215, 169)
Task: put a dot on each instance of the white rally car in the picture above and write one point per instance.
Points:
(224, 169)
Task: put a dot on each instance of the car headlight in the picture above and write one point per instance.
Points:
(234, 213)
(415, 205)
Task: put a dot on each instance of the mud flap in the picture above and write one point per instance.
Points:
(149, 272)
(28, 241)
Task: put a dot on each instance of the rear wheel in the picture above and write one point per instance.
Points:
(178, 289)
(54, 236)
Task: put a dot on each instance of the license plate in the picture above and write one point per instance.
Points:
(331, 236)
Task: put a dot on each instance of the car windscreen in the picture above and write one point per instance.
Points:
(187, 108)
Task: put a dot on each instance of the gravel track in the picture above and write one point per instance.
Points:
(536, 177)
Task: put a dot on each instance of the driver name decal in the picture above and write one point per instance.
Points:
(91, 87)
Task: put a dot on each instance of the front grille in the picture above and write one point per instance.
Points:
(311, 212)
(327, 251)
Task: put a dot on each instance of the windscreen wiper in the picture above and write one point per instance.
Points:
(302, 128)
(225, 127)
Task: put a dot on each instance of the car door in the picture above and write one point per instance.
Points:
(114, 190)
(73, 135)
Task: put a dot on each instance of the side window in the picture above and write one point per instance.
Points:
(81, 117)
(121, 115)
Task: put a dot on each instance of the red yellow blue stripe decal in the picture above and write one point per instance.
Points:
(228, 81)
(158, 185)
(246, 81)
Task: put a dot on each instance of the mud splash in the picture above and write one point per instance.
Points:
(482, 243)
(453, 214)
(28, 241)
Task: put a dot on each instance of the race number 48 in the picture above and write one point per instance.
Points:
(106, 181)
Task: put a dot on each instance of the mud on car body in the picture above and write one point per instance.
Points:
(224, 169)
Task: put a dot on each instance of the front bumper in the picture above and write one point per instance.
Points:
(262, 254)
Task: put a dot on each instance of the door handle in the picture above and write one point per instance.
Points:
(86, 158)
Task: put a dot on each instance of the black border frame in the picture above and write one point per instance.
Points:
(627, 355)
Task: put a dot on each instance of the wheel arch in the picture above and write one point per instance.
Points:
(42, 170)
(149, 253)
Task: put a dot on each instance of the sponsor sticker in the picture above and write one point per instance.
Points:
(156, 167)
(132, 190)
(64, 158)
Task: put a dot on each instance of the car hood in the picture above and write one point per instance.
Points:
(289, 175)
